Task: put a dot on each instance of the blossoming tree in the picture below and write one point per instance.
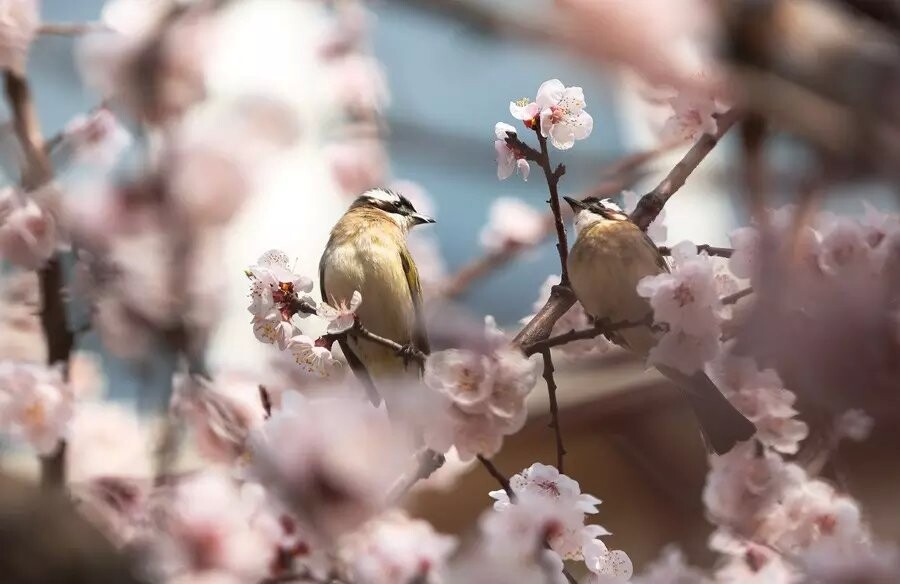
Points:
(294, 476)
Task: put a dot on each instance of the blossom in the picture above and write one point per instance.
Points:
(27, 231)
(19, 21)
(571, 539)
(525, 110)
(274, 285)
(854, 424)
(342, 317)
(657, 230)
(206, 530)
(107, 440)
(574, 319)
(563, 118)
(312, 358)
(509, 159)
(693, 115)
(221, 413)
(332, 459)
(512, 223)
(671, 568)
(480, 397)
(35, 404)
(273, 329)
(395, 548)
(760, 395)
(97, 138)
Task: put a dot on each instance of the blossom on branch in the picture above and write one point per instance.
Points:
(28, 232)
(97, 138)
(275, 293)
(342, 317)
(480, 397)
(35, 404)
(313, 358)
(509, 159)
(693, 115)
(19, 21)
(562, 114)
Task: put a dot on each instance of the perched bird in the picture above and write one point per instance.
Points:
(610, 255)
(367, 253)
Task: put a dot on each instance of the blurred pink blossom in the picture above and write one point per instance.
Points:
(312, 358)
(513, 223)
(395, 548)
(28, 232)
(97, 138)
(694, 113)
(35, 404)
(19, 21)
(360, 84)
(107, 440)
(855, 425)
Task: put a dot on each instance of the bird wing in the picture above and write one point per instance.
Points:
(356, 365)
(419, 334)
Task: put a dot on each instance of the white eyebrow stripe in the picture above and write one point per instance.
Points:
(383, 195)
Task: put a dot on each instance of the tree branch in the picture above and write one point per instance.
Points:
(554, 409)
(36, 172)
(553, 176)
(653, 202)
(733, 298)
(361, 332)
(599, 328)
(494, 472)
(71, 28)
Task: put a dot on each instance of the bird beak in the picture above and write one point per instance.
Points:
(419, 219)
(575, 204)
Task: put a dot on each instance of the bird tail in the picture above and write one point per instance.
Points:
(721, 424)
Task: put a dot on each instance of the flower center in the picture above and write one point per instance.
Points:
(683, 295)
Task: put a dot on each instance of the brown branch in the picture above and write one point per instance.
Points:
(653, 202)
(553, 176)
(541, 324)
(722, 252)
(266, 401)
(37, 171)
(599, 328)
(71, 28)
(733, 298)
(495, 472)
(360, 331)
(554, 409)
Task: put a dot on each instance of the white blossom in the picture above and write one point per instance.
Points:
(19, 21)
(342, 317)
(35, 404)
(97, 138)
(693, 115)
(563, 118)
(509, 159)
(855, 425)
(312, 358)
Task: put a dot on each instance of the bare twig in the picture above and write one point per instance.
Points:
(266, 401)
(427, 462)
(599, 328)
(361, 332)
(733, 298)
(652, 203)
(36, 172)
(500, 478)
(554, 409)
(722, 252)
(71, 28)
(541, 324)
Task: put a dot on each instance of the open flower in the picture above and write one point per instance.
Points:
(509, 160)
(35, 404)
(312, 358)
(341, 317)
(526, 110)
(693, 115)
(27, 231)
(563, 118)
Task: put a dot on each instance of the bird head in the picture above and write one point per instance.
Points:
(394, 204)
(593, 209)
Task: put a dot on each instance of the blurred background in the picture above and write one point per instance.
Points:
(451, 69)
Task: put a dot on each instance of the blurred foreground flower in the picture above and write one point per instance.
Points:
(35, 404)
(27, 231)
(19, 21)
(512, 223)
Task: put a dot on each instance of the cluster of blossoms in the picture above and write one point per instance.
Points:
(277, 295)
(35, 404)
(550, 507)
(688, 301)
(694, 112)
(557, 112)
(480, 396)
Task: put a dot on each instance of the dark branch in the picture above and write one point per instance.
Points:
(494, 472)
(554, 409)
(266, 401)
(599, 328)
(733, 298)
(653, 202)
(553, 176)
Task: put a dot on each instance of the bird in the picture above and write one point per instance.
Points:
(367, 253)
(609, 257)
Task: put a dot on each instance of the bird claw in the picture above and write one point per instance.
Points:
(407, 353)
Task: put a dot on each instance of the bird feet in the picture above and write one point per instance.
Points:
(408, 353)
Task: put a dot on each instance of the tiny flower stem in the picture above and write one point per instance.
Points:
(722, 252)
(498, 476)
(554, 409)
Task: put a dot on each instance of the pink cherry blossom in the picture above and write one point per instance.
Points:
(274, 293)
(19, 21)
(525, 110)
(693, 115)
(478, 397)
(509, 159)
(107, 440)
(563, 118)
(671, 568)
(357, 164)
(513, 223)
(342, 317)
(744, 262)
(546, 481)
(28, 233)
(359, 83)
(273, 329)
(395, 548)
(855, 425)
(97, 138)
(35, 404)
(335, 480)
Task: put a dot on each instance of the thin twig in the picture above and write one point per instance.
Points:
(554, 409)
(652, 203)
(722, 252)
(71, 28)
(266, 401)
(553, 175)
(733, 298)
(427, 463)
(359, 331)
(599, 328)
(494, 472)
